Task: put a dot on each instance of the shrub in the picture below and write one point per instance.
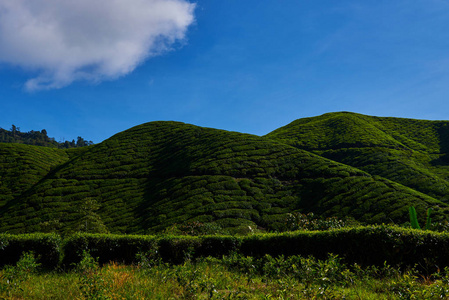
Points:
(299, 221)
(12, 276)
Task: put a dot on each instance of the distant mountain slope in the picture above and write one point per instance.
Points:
(411, 152)
(157, 174)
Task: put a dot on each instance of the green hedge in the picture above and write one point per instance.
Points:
(45, 246)
(124, 248)
(372, 245)
(106, 247)
(176, 249)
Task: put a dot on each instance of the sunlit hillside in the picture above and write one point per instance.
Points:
(158, 174)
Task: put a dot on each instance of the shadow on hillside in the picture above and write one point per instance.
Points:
(443, 132)
(443, 160)
(15, 202)
(173, 162)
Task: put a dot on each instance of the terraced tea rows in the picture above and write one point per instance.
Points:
(152, 176)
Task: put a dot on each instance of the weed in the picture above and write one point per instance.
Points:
(149, 259)
(11, 277)
(92, 284)
(414, 219)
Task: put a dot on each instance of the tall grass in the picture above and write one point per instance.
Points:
(231, 277)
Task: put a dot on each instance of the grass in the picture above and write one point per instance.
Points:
(231, 277)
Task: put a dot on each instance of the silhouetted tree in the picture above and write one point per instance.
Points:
(39, 138)
(14, 129)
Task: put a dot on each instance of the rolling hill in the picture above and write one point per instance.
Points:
(157, 174)
(413, 153)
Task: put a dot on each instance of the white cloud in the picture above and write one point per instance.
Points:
(69, 40)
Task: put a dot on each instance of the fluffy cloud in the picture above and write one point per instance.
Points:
(69, 40)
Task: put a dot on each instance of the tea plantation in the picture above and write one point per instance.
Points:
(413, 153)
(162, 174)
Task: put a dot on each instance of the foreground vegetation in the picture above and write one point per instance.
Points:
(230, 277)
(374, 245)
(375, 262)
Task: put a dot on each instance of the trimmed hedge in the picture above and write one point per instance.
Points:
(106, 247)
(373, 245)
(124, 248)
(46, 247)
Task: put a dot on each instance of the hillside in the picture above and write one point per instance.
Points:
(152, 176)
(22, 166)
(413, 153)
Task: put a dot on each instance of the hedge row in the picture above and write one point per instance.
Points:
(124, 248)
(47, 247)
(372, 245)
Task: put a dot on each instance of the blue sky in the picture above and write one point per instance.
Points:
(247, 66)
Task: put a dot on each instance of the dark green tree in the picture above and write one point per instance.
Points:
(90, 221)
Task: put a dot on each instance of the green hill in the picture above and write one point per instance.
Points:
(152, 176)
(411, 152)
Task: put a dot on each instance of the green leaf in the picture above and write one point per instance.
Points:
(413, 218)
